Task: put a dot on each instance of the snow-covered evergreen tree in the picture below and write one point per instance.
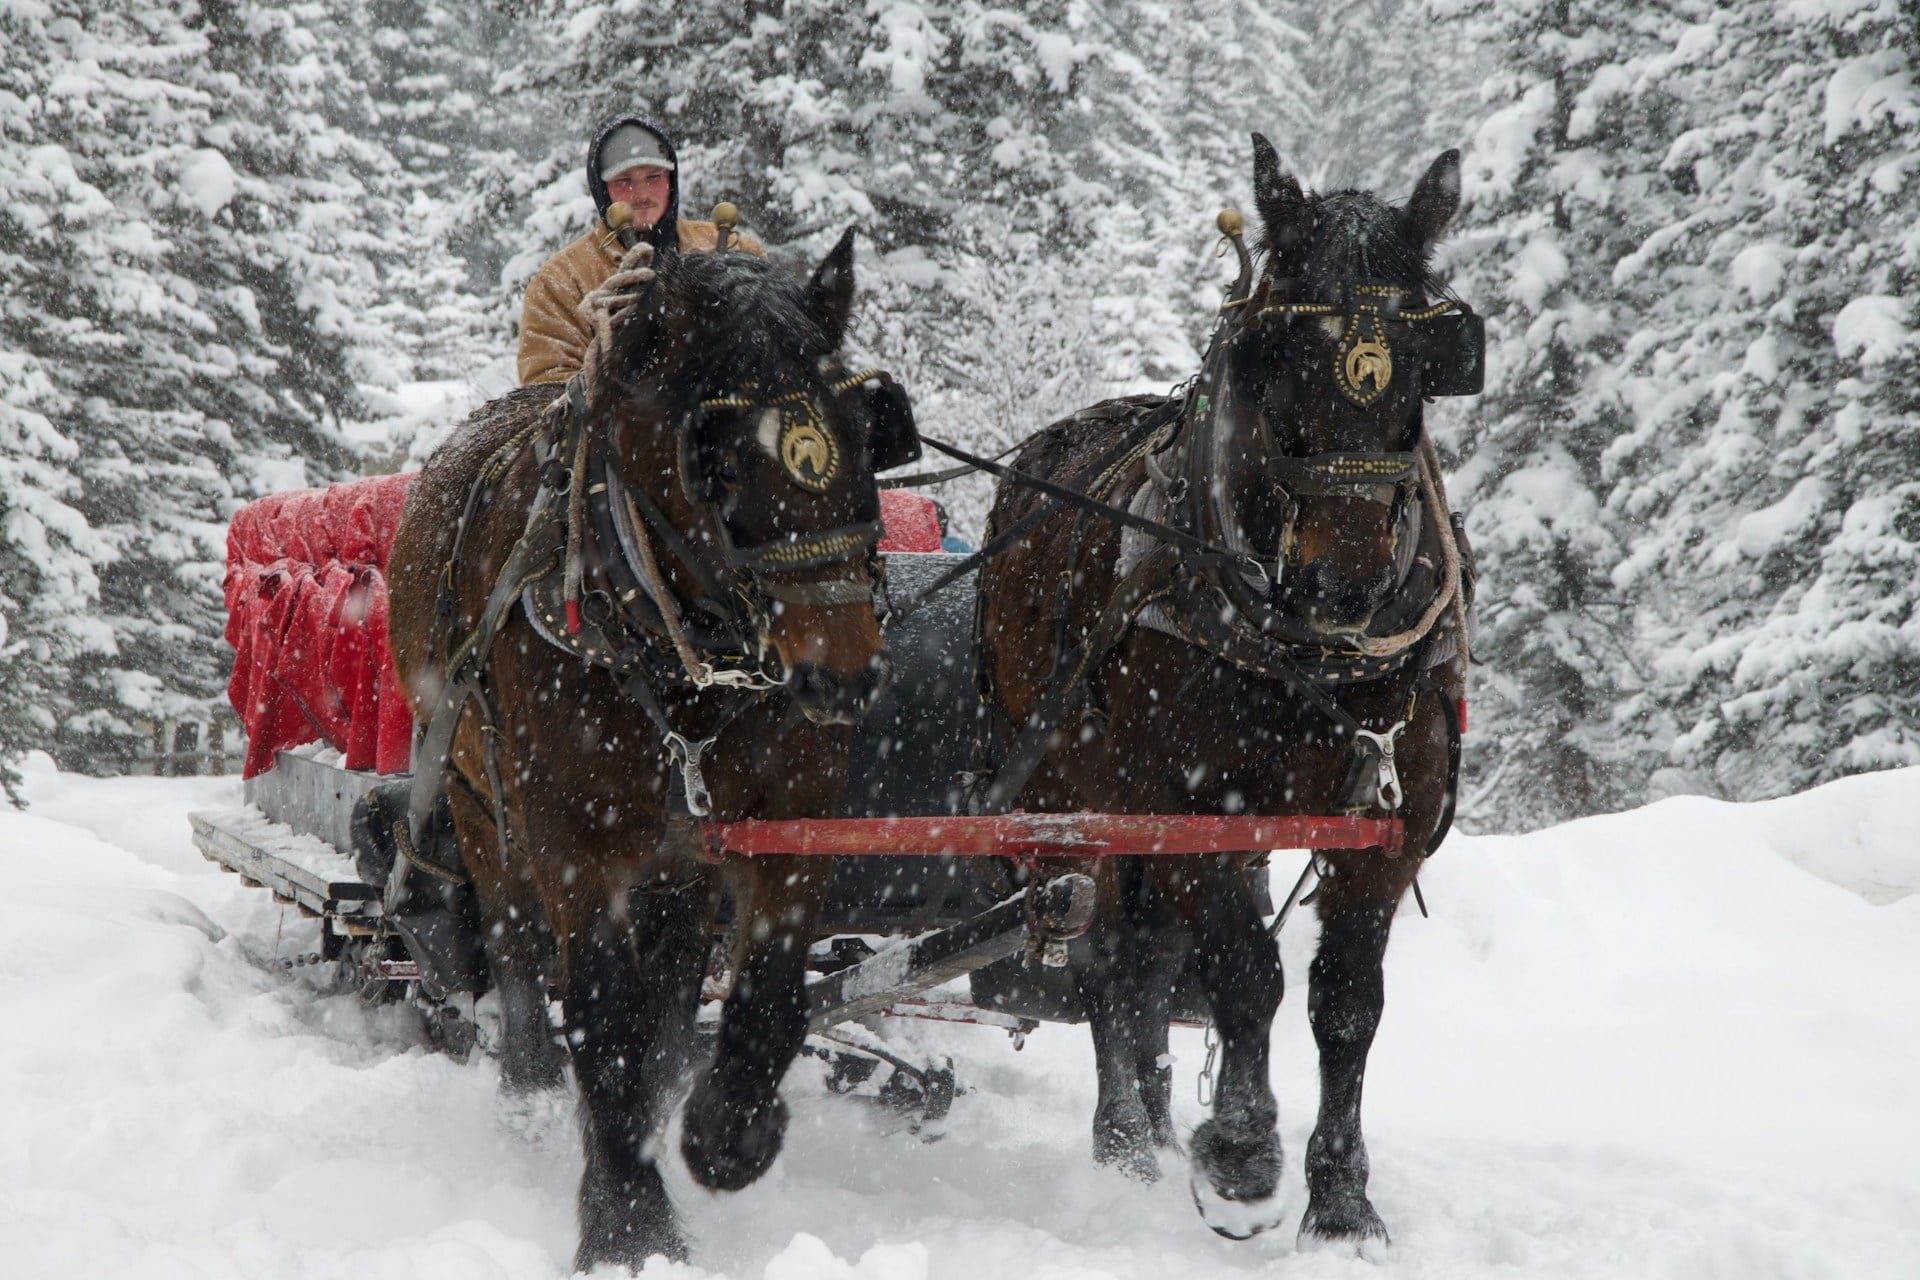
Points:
(1771, 479)
(417, 93)
(49, 556)
(1394, 84)
(191, 315)
(1176, 94)
(1692, 227)
(1554, 189)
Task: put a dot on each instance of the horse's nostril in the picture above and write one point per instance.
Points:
(828, 697)
(1337, 602)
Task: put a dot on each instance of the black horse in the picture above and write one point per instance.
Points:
(625, 607)
(1297, 649)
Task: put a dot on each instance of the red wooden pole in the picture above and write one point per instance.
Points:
(1042, 835)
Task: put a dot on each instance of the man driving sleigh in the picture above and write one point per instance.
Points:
(630, 161)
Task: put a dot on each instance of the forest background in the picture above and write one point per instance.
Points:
(246, 247)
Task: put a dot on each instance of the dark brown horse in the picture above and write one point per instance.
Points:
(1298, 653)
(703, 499)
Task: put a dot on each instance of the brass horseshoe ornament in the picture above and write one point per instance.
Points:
(807, 448)
(1364, 365)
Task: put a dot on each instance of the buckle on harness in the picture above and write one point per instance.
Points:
(706, 675)
(1387, 776)
(687, 755)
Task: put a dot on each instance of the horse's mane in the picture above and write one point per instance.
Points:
(753, 320)
(1357, 237)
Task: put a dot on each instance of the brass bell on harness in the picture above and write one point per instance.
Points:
(726, 216)
(619, 220)
(1231, 224)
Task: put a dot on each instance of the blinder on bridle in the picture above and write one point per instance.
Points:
(895, 440)
(809, 451)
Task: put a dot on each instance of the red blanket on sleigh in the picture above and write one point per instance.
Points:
(306, 594)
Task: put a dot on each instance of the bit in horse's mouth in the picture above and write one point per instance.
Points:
(1351, 631)
(828, 699)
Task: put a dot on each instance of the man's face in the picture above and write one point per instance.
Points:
(645, 187)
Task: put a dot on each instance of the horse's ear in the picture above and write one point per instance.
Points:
(830, 292)
(1277, 194)
(1434, 201)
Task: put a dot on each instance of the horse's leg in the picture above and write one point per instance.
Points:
(1160, 960)
(1345, 993)
(632, 964)
(1236, 1151)
(734, 1119)
(517, 952)
(516, 947)
(1123, 1129)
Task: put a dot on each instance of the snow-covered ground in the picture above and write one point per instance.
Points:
(1680, 1042)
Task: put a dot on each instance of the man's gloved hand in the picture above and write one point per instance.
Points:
(611, 298)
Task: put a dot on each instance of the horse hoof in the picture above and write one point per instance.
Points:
(1234, 1219)
(734, 1153)
(1343, 1219)
(1125, 1142)
(1236, 1177)
(1138, 1163)
(633, 1259)
(531, 1074)
(628, 1244)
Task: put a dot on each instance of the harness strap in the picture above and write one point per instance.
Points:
(434, 747)
(1450, 710)
(1449, 594)
(1150, 579)
(655, 583)
(491, 737)
(921, 479)
(1198, 549)
(713, 595)
(1204, 629)
(491, 470)
(576, 506)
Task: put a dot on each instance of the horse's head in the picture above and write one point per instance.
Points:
(738, 419)
(1326, 369)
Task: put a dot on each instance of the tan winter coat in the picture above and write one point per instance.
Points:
(553, 336)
